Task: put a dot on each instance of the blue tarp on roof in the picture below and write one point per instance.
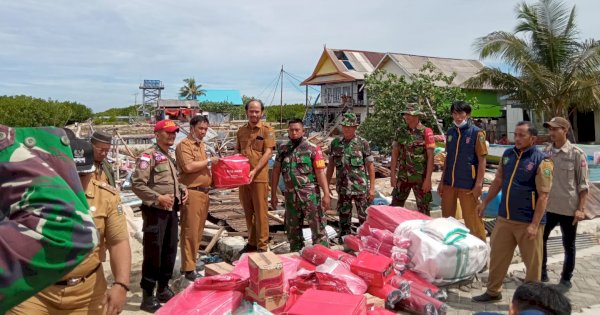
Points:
(230, 96)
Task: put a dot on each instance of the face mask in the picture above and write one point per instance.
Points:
(464, 122)
(296, 142)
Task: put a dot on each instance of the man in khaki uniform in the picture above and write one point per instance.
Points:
(84, 289)
(568, 198)
(525, 177)
(102, 142)
(155, 182)
(256, 142)
(194, 161)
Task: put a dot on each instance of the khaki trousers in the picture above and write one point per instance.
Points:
(468, 203)
(83, 298)
(507, 235)
(193, 218)
(254, 201)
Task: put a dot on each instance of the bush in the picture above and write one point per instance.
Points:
(27, 111)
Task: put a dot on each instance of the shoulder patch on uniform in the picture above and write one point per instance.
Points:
(547, 172)
(143, 164)
(481, 138)
(106, 186)
(120, 209)
(505, 160)
(450, 138)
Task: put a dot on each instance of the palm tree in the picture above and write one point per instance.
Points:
(554, 72)
(190, 90)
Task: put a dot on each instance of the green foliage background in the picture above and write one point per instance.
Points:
(390, 94)
(27, 111)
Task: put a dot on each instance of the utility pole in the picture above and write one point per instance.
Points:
(281, 98)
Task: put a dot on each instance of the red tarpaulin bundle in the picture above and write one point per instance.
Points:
(414, 278)
(353, 242)
(422, 303)
(225, 282)
(194, 301)
(318, 254)
(388, 218)
(231, 171)
(379, 311)
(389, 294)
(373, 245)
(333, 275)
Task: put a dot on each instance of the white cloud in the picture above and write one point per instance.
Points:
(97, 52)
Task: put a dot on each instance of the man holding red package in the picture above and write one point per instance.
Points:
(194, 161)
(155, 182)
(256, 141)
(302, 165)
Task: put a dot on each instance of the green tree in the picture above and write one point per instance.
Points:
(191, 90)
(390, 94)
(555, 72)
(27, 111)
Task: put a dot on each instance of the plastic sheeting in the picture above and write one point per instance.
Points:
(441, 263)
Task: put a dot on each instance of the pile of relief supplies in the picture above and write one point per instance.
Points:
(400, 256)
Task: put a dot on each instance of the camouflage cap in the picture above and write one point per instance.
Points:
(412, 109)
(349, 120)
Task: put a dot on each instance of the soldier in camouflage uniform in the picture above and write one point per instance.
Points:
(45, 224)
(412, 161)
(351, 156)
(302, 165)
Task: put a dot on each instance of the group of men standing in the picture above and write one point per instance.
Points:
(540, 190)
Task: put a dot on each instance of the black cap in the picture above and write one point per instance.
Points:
(83, 153)
(102, 137)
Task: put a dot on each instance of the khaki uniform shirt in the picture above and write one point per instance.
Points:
(110, 221)
(155, 174)
(570, 178)
(187, 151)
(252, 143)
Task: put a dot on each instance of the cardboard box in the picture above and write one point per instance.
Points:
(274, 304)
(376, 270)
(217, 269)
(327, 302)
(266, 273)
(269, 287)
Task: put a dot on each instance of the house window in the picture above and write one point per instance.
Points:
(346, 91)
(337, 93)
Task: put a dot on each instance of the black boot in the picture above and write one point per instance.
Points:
(164, 294)
(191, 275)
(150, 303)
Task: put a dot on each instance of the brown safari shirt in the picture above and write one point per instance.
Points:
(155, 174)
(252, 143)
(187, 151)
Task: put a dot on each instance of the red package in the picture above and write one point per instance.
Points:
(388, 218)
(389, 294)
(364, 229)
(374, 269)
(194, 301)
(353, 242)
(313, 255)
(375, 246)
(384, 236)
(422, 303)
(231, 171)
(325, 302)
(226, 282)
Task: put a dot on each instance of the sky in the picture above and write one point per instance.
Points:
(98, 52)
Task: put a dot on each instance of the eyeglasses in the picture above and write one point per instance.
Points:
(100, 149)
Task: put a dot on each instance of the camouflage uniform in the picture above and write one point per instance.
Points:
(350, 158)
(44, 212)
(302, 192)
(412, 164)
